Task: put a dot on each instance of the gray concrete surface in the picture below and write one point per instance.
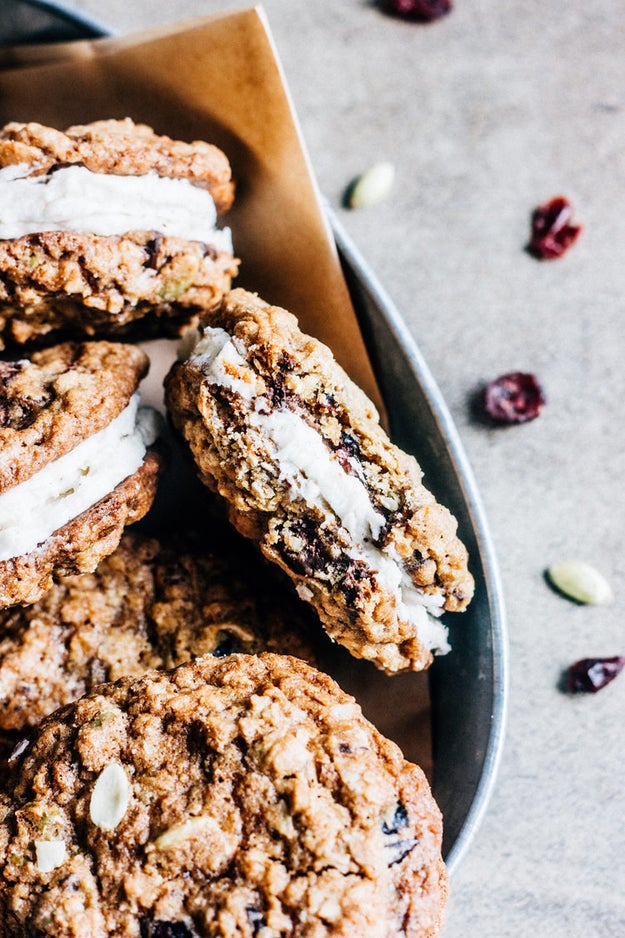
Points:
(485, 114)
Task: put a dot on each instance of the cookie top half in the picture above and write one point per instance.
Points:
(119, 148)
(297, 450)
(76, 463)
(57, 398)
(244, 796)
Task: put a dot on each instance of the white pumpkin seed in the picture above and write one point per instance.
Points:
(390, 502)
(19, 750)
(184, 831)
(50, 854)
(580, 581)
(373, 186)
(110, 797)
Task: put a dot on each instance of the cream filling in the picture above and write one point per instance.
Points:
(75, 199)
(33, 510)
(305, 462)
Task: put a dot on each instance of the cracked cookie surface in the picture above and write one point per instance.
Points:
(297, 451)
(236, 797)
(122, 148)
(147, 605)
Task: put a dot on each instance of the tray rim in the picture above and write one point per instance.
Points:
(351, 256)
(349, 252)
(73, 16)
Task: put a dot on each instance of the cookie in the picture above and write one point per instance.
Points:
(107, 224)
(297, 451)
(74, 463)
(147, 605)
(239, 797)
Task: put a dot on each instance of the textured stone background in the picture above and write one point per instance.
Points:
(485, 114)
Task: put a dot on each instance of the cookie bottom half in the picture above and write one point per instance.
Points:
(84, 285)
(150, 604)
(81, 544)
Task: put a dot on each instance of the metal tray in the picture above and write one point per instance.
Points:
(468, 686)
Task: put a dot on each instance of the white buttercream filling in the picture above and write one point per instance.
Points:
(306, 463)
(33, 510)
(75, 199)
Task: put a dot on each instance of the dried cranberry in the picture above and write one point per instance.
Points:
(588, 675)
(152, 250)
(351, 584)
(553, 232)
(515, 397)
(421, 10)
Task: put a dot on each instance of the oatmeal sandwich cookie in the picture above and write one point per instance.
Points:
(296, 449)
(74, 463)
(231, 798)
(107, 223)
(148, 605)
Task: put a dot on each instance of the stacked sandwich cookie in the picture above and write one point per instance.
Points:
(297, 450)
(108, 223)
(75, 462)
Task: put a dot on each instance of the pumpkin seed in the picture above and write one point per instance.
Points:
(373, 186)
(580, 581)
(110, 797)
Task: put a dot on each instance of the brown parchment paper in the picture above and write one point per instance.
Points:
(218, 78)
(215, 79)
